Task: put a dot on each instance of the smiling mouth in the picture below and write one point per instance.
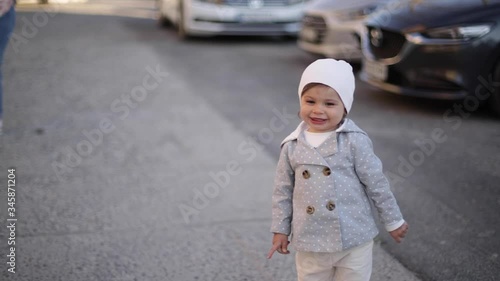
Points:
(317, 120)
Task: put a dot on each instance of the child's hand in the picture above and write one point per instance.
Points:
(280, 244)
(399, 233)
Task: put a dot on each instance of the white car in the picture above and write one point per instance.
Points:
(333, 28)
(232, 17)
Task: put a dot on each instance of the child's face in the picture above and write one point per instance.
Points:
(321, 108)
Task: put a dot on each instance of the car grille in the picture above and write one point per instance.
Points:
(249, 3)
(384, 43)
(316, 23)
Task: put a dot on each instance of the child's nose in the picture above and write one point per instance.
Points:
(317, 109)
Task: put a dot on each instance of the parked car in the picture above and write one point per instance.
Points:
(232, 17)
(435, 49)
(332, 28)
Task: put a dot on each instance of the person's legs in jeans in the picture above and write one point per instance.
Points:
(7, 23)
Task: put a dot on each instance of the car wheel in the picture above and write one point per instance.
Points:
(181, 22)
(494, 101)
(162, 20)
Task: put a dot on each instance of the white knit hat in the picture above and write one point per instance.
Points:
(337, 74)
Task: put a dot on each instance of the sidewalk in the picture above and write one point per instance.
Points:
(161, 189)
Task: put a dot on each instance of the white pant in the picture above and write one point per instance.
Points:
(351, 265)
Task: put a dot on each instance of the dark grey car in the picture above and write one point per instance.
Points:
(436, 49)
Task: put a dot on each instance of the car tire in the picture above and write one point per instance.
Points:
(181, 22)
(494, 101)
(290, 37)
(162, 20)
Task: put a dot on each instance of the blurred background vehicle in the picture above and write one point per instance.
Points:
(232, 17)
(436, 49)
(332, 28)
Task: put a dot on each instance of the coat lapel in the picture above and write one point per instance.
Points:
(304, 154)
(315, 156)
(329, 146)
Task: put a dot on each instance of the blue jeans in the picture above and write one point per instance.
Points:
(7, 23)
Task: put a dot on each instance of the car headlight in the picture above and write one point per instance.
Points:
(464, 33)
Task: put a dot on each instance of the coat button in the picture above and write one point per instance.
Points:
(330, 205)
(327, 171)
(310, 210)
(306, 174)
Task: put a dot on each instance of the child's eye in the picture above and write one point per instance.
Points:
(330, 104)
(310, 101)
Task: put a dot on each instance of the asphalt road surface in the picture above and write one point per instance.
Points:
(142, 157)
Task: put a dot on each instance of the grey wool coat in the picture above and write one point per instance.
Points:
(322, 195)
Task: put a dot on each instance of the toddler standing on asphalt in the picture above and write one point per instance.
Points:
(327, 174)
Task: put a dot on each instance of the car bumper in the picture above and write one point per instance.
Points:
(334, 47)
(408, 91)
(210, 19)
(329, 36)
(426, 71)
